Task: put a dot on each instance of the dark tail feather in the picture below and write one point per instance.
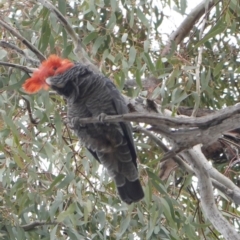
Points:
(131, 191)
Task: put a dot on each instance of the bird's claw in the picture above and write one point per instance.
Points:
(71, 123)
(74, 123)
(101, 117)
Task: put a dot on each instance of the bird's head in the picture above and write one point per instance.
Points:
(52, 66)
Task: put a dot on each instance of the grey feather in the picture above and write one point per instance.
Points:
(88, 95)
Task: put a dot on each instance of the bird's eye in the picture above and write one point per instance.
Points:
(54, 68)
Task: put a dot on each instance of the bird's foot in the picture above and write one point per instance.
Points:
(101, 117)
(75, 123)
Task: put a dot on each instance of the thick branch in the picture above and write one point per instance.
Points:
(218, 180)
(231, 115)
(14, 32)
(199, 164)
(233, 194)
(186, 26)
(184, 132)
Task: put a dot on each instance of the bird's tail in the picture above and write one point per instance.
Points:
(131, 191)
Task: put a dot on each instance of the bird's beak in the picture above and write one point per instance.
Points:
(48, 81)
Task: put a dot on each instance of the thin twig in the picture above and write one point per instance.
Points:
(31, 60)
(13, 31)
(30, 226)
(28, 107)
(21, 67)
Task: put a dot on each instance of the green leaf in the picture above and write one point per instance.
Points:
(67, 50)
(99, 41)
(123, 227)
(148, 61)
(219, 28)
(124, 37)
(132, 55)
(11, 125)
(114, 5)
(3, 53)
(131, 22)
(183, 4)
(101, 216)
(178, 96)
(171, 81)
(218, 68)
(92, 6)
(146, 45)
(90, 27)
(22, 154)
(142, 17)
(205, 80)
(168, 211)
(138, 78)
(63, 215)
(18, 161)
(70, 176)
(56, 181)
(45, 35)
(58, 127)
(62, 6)
(53, 233)
(112, 22)
(196, 97)
(90, 37)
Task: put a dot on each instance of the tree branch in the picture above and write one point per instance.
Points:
(28, 107)
(187, 25)
(32, 61)
(233, 194)
(79, 51)
(183, 132)
(13, 31)
(218, 118)
(218, 180)
(31, 226)
(23, 68)
(200, 165)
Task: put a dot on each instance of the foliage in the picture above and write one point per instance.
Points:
(47, 177)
